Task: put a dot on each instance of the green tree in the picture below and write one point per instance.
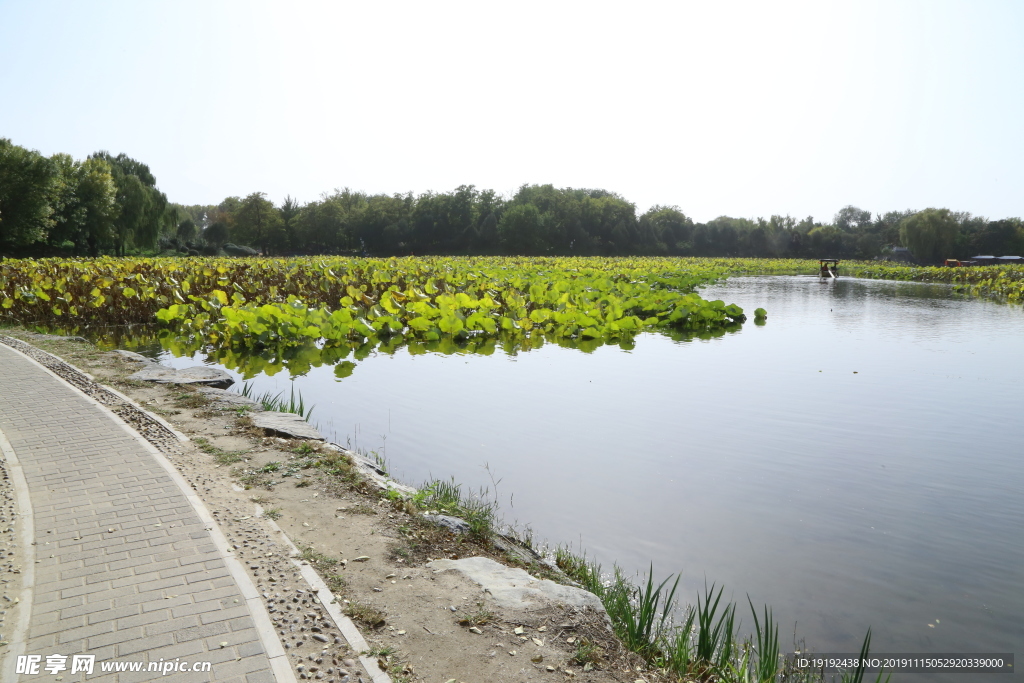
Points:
(521, 230)
(144, 210)
(258, 223)
(186, 231)
(85, 201)
(930, 234)
(27, 181)
(851, 218)
(668, 226)
(216, 233)
(289, 211)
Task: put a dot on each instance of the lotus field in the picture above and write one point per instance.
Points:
(325, 308)
(254, 303)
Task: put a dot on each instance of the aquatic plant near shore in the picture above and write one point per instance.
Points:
(705, 644)
(278, 403)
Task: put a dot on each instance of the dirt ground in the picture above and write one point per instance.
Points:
(420, 625)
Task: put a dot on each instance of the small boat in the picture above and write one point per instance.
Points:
(828, 267)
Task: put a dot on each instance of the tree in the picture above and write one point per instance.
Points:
(259, 224)
(998, 238)
(930, 234)
(216, 234)
(186, 231)
(668, 226)
(521, 230)
(26, 186)
(144, 208)
(289, 212)
(85, 204)
(850, 218)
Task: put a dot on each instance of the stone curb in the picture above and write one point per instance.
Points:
(330, 603)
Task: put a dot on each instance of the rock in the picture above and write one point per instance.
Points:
(194, 375)
(288, 424)
(229, 399)
(515, 589)
(131, 355)
(459, 526)
(319, 636)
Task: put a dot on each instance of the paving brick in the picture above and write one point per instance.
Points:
(108, 593)
(197, 632)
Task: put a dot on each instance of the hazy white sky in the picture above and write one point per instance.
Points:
(738, 108)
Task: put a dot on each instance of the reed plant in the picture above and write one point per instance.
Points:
(278, 403)
(706, 643)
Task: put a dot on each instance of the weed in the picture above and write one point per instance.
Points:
(383, 651)
(587, 574)
(273, 513)
(324, 566)
(302, 484)
(260, 500)
(634, 611)
(190, 400)
(221, 456)
(481, 616)
(306, 448)
(253, 478)
(586, 653)
(277, 402)
(367, 614)
(271, 467)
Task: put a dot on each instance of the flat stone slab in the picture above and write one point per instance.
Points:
(515, 589)
(230, 399)
(288, 424)
(195, 375)
(131, 355)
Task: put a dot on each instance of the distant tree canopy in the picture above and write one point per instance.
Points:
(104, 204)
(111, 204)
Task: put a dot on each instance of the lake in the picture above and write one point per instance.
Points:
(855, 462)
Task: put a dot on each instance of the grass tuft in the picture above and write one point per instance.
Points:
(278, 403)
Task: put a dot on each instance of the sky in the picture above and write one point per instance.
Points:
(745, 109)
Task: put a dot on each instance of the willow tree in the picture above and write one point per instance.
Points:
(144, 209)
(930, 234)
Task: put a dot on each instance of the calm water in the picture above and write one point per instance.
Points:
(855, 462)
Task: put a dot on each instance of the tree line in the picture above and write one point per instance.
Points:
(108, 204)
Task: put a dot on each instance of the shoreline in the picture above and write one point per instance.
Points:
(379, 529)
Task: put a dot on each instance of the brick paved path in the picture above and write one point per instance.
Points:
(125, 568)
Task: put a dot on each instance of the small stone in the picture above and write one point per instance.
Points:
(550, 668)
(474, 629)
(321, 637)
(518, 630)
(223, 643)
